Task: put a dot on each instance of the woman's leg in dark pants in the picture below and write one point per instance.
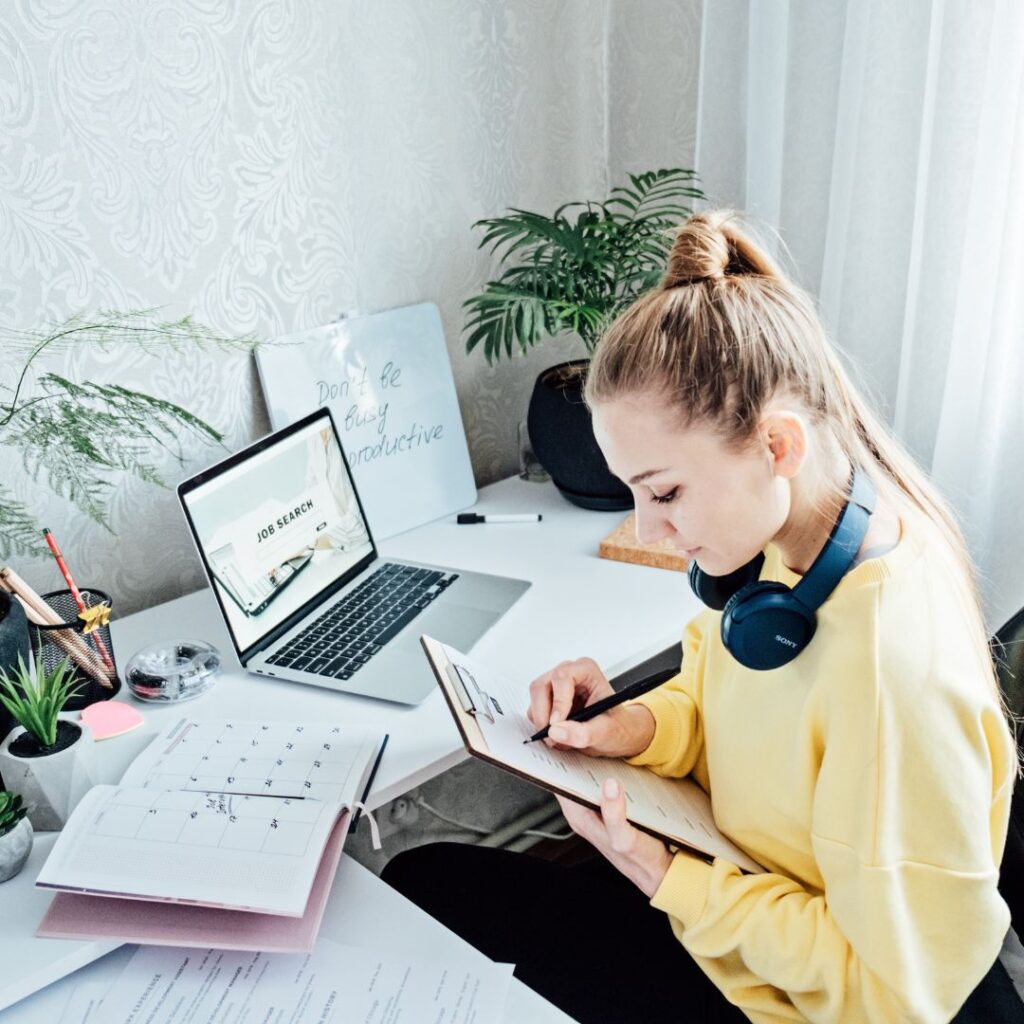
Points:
(995, 999)
(584, 937)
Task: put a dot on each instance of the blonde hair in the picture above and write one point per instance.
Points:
(726, 332)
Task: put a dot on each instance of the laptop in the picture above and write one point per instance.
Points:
(290, 557)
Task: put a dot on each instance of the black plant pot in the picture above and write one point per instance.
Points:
(13, 645)
(26, 745)
(562, 437)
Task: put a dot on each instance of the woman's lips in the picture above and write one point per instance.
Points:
(691, 552)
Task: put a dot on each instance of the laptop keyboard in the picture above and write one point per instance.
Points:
(351, 632)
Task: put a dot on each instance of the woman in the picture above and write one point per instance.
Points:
(871, 775)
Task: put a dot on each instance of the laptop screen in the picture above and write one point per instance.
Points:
(277, 525)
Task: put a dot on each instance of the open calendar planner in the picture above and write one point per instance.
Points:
(226, 832)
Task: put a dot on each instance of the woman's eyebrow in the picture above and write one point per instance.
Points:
(641, 477)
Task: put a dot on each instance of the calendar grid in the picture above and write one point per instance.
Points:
(260, 759)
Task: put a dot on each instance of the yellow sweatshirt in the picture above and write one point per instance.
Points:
(872, 778)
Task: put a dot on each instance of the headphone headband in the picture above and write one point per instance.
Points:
(840, 550)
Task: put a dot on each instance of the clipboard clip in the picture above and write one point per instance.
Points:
(474, 700)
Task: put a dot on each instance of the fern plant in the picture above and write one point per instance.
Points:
(73, 436)
(574, 270)
(34, 697)
(11, 811)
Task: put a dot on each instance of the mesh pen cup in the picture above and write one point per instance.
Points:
(91, 653)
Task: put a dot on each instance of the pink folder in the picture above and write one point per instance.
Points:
(78, 916)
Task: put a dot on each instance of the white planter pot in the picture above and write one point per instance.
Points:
(15, 847)
(50, 786)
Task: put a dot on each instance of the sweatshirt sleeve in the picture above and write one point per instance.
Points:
(678, 732)
(910, 918)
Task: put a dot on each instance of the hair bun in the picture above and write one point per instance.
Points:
(710, 246)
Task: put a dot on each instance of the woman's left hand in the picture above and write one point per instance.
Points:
(643, 859)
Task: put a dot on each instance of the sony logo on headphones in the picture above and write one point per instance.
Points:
(785, 640)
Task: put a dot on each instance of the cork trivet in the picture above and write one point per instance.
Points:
(621, 545)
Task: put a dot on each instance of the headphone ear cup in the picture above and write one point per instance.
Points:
(764, 626)
(716, 591)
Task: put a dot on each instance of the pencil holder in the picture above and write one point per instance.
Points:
(14, 646)
(91, 653)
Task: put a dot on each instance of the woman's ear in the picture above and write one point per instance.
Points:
(786, 439)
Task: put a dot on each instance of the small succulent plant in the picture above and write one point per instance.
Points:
(35, 696)
(11, 811)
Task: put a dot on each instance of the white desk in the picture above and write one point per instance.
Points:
(578, 605)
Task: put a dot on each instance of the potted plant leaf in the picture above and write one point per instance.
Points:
(49, 759)
(15, 835)
(572, 272)
(74, 436)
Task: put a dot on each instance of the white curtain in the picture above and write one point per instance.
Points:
(885, 143)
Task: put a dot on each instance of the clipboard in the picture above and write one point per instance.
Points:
(469, 703)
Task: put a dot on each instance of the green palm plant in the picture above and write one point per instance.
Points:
(574, 270)
(34, 697)
(75, 435)
(11, 811)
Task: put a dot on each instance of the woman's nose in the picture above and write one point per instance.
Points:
(652, 526)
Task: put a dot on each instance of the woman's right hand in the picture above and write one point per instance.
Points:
(622, 731)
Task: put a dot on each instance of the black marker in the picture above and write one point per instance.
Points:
(469, 518)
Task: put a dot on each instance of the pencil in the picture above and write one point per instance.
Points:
(75, 593)
(13, 583)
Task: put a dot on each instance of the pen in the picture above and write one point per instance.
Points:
(605, 703)
(469, 518)
(75, 593)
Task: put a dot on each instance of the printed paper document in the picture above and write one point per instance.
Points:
(332, 985)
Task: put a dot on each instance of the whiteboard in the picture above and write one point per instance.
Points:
(388, 382)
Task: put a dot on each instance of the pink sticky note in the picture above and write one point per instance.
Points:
(108, 718)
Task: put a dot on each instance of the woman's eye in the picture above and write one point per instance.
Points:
(664, 499)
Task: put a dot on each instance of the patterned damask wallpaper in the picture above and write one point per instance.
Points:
(265, 164)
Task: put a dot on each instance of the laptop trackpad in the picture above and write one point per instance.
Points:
(458, 625)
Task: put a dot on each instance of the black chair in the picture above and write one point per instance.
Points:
(1008, 653)
(663, 666)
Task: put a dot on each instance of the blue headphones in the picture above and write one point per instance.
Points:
(767, 624)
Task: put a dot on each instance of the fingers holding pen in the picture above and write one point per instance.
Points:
(542, 697)
(566, 688)
(553, 694)
(571, 685)
(571, 735)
